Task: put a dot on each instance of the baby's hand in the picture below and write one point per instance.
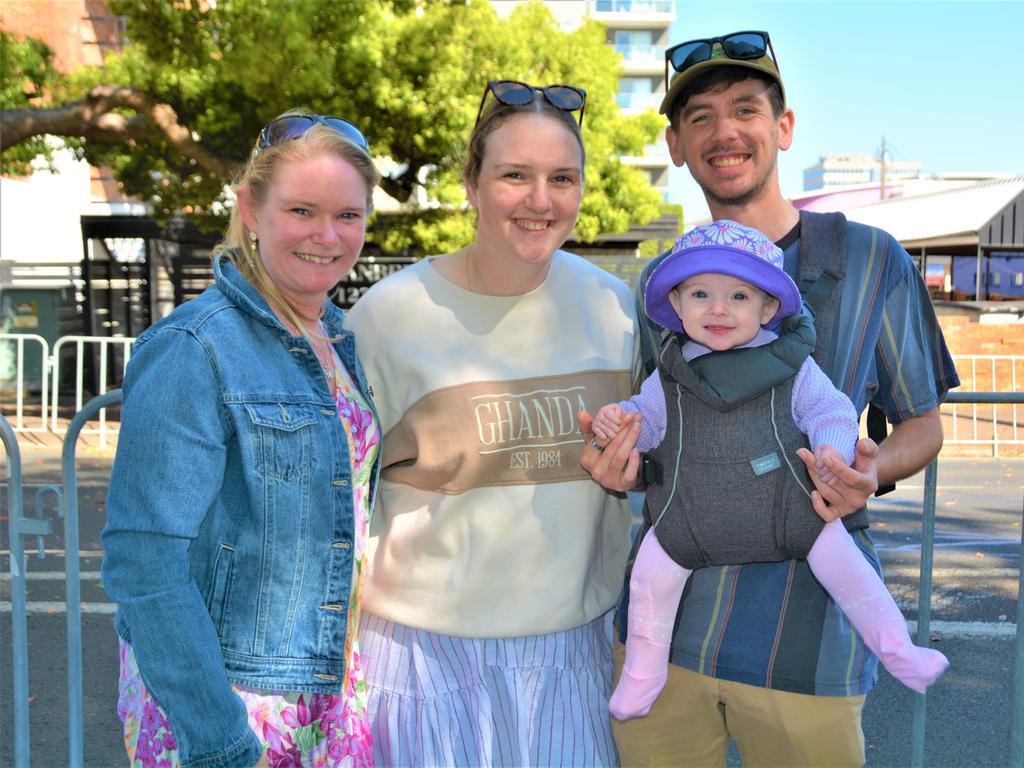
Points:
(607, 421)
(822, 453)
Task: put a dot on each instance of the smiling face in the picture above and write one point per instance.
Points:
(729, 138)
(721, 311)
(526, 194)
(310, 224)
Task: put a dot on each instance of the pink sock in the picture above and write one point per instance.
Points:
(655, 587)
(860, 593)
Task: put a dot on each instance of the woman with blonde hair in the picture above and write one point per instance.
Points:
(495, 558)
(246, 466)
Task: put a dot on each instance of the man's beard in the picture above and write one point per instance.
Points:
(752, 194)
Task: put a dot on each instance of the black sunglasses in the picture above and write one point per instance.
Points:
(513, 93)
(741, 46)
(292, 126)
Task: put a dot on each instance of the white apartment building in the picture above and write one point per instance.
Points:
(639, 31)
(845, 170)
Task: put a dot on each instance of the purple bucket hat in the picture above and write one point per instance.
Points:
(726, 248)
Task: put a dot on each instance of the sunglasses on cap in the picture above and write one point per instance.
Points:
(291, 127)
(742, 46)
(513, 93)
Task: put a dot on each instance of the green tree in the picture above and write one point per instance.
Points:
(175, 113)
(26, 77)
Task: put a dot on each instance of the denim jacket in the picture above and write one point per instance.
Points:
(228, 544)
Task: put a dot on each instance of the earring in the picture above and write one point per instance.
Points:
(254, 245)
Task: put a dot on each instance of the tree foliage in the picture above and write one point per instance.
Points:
(26, 78)
(176, 112)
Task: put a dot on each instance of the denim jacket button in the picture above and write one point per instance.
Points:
(340, 482)
(340, 545)
(332, 678)
(336, 607)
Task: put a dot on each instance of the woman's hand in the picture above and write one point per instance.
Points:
(617, 465)
(847, 488)
(264, 761)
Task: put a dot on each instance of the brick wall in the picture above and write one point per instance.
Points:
(965, 337)
(64, 25)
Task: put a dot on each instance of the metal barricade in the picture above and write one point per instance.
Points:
(924, 609)
(104, 342)
(19, 526)
(999, 425)
(68, 508)
(19, 339)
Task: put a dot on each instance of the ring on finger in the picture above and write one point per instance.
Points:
(593, 442)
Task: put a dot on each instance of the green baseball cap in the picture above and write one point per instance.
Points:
(750, 50)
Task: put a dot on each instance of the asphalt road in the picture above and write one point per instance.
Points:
(977, 561)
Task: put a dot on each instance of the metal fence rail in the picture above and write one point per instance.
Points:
(72, 581)
(924, 609)
(996, 423)
(105, 344)
(20, 383)
(68, 508)
(19, 623)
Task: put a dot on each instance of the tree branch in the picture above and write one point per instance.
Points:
(400, 187)
(93, 118)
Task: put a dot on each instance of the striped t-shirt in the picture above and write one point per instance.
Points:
(771, 624)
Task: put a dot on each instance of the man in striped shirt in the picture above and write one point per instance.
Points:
(761, 654)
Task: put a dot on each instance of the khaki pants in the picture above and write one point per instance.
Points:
(691, 722)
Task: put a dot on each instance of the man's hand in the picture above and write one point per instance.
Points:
(847, 488)
(617, 465)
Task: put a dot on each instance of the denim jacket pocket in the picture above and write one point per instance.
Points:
(220, 586)
(283, 439)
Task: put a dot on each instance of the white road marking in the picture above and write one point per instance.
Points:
(1002, 630)
(53, 576)
(959, 543)
(54, 607)
(33, 552)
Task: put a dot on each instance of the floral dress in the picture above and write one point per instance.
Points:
(295, 729)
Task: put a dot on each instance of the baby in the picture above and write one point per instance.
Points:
(730, 493)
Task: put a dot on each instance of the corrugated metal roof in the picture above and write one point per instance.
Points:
(948, 217)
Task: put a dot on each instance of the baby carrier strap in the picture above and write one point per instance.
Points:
(730, 377)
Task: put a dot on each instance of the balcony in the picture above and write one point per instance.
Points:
(641, 59)
(634, 14)
(638, 102)
(654, 156)
(634, 6)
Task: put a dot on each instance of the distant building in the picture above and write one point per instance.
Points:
(833, 171)
(638, 30)
(964, 231)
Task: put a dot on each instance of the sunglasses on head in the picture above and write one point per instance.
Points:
(741, 46)
(513, 93)
(292, 126)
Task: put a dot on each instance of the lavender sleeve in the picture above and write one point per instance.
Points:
(649, 403)
(822, 412)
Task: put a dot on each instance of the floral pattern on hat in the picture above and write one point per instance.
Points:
(734, 235)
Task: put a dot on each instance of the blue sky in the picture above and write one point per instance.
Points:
(942, 81)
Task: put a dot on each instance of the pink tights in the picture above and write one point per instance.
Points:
(657, 584)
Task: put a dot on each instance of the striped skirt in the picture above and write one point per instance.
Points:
(438, 700)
